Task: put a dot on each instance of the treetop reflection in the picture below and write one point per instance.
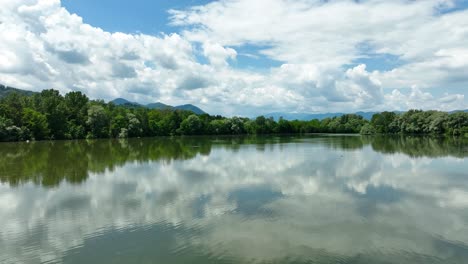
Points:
(320, 199)
(49, 163)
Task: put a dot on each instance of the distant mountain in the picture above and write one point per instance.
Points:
(455, 111)
(190, 107)
(158, 105)
(308, 116)
(5, 90)
(301, 116)
(122, 101)
(368, 115)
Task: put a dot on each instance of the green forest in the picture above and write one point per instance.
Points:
(49, 115)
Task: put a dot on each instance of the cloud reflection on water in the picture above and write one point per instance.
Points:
(302, 199)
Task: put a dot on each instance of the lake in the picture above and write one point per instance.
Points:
(288, 199)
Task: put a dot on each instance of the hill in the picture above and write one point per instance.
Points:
(190, 107)
(122, 101)
(158, 105)
(5, 90)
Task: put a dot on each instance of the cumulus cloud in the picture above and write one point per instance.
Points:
(319, 44)
(217, 54)
(333, 34)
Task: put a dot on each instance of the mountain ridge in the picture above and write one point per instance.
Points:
(158, 105)
(5, 90)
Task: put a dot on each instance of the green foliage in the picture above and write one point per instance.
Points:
(98, 122)
(36, 123)
(368, 129)
(4, 124)
(50, 163)
(49, 115)
(381, 122)
(284, 127)
(52, 105)
(191, 126)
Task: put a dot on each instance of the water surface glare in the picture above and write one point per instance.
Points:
(292, 199)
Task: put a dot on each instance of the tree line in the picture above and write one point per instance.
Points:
(418, 122)
(49, 115)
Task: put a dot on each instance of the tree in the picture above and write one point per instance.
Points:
(220, 127)
(52, 105)
(98, 122)
(36, 123)
(4, 124)
(10, 132)
(191, 126)
(13, 108)
(118, 123)
(134, 126)
(76, 105)
(236, 125)
(381, 121)
(457, 123)
(284, 126)
(368, 129)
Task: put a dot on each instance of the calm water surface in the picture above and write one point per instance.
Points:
(314, 199)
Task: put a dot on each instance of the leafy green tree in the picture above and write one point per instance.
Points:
(76, 105)
(284, 126)
(155, 123)
(36, 123)
(368, 129)
(172, 122)
(10, 132)
(191, 126)
(52, 105)
(381, 122)
(313, 126)
(236, 125)
(13, 108)
(98, 122)
(457, 123)
(220, 127)
(4, 124)
(118, 123)
(134, 126)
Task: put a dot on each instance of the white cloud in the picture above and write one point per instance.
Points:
(45, 46)
(330, 35)
(217, 54)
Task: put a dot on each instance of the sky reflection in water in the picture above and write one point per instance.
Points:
(315, 199)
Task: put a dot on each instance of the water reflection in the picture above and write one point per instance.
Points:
(49, 163)
(318, 199)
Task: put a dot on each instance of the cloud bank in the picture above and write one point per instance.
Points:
(323, 49)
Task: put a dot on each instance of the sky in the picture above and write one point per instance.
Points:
(243, 57)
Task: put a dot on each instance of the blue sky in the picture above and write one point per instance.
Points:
(243, 57)
(146, 16)
(152, 17)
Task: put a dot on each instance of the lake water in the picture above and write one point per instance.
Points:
(311, 199)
